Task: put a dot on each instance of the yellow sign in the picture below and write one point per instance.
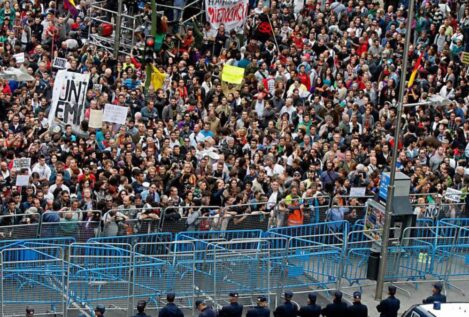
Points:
(232, 74)
(465, 58)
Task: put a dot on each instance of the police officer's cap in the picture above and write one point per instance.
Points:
(357, 295)
(288, 294)
(338, 294)
(392, 289)
(100, 308)
(233, 294)
(170, 296)
(438, 286)
(29, 310)
(312, 297)
(141, 304)
(261, 299)
(198, 302)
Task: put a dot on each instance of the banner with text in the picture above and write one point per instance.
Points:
(68, 99)
(231, 13)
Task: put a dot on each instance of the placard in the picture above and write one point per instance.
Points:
(68, 99)
(231, 13)
(465, 58)
(22, 180)
(232, 74)
(19, 58)
(98, 88)
(60, 63)
(115, 114)
(358, 192)
(20, 163)
(96, 119)
(453, 195)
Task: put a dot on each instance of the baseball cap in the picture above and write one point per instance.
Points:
(100, 308)
(288, 294)
(233, 294)
(312, 297)
(357, 295)
(438, 286)
(261, 299)
(199, 302)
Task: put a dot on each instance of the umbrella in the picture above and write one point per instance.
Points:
(16, 74)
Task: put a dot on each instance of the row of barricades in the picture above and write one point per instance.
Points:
(61, 275)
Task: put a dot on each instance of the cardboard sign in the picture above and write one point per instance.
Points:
(232, 74)
(115, 114)
(358, 192)
(60, 63)
(453, 195)
(22, 180)
(96, 119)
(21, 163)
(465, 58)
(19, 58)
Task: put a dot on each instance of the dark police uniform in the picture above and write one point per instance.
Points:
(232, 310)
(389, 307)
(335, 310)
(310, 310)
(287, 309)
(357, 310)
(142, 315)
(208, 312)
(170, 310)
(435, 298)
(258, 312)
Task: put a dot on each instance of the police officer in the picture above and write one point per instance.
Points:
(205, 311)
(437, 296)
(287, 309)
(337, 308)
(234, 309)
(141, 309)
(29, 311)
(357, 309)
(310, 310)
(261, 309)
(389, 306)
(99, 310)
(170, 310)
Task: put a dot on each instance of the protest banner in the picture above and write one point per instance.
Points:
(115, 114)
(453, 195)
(96, 119)
(60, 63)
(68, 98)
(231, 13)
(232, 74)
(22, 180)
(21, 163)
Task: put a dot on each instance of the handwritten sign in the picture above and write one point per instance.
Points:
(96, 119)
(19, 58)
(98, 88)
(22, 180)
(115, 114)
(357, 192)
(21, 163)
(465, 58)
(453, 195)
(60, 63)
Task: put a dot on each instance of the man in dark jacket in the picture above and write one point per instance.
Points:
(141, 309)
(357, 309)
(437, 296)
(337, 308)
(389, 306)
(260, 310)
(170, 310)
(310, 310)
(205, 311)
(287, 309)
(234, 309)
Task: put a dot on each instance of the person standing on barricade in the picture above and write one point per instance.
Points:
(170, 310)
(437, 296)
(141, 309)
(390, 306)
(287, 309)
(357, 309)
(310, 310)
(234, 309)
(204, 309)
(261, 309)
(337, 308)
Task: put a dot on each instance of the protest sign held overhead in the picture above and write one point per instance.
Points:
(115, 114)
(68, 99)
(231, 13)
(232, 74)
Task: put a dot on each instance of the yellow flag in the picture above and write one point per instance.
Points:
(157, 78)
(232, 74)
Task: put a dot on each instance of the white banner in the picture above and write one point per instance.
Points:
(115, 114)
(68, 98)
(232, 13)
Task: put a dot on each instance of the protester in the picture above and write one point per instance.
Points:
(314, 115)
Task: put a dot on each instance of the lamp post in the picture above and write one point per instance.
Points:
(390, 195)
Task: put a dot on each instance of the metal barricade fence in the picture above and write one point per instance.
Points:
(19, 226)
(81, 225)
(99, 274)
(33, 277)
(153, 241)
(120, 222)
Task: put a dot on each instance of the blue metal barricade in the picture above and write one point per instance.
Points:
(151, 241)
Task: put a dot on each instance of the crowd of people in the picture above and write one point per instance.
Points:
(313, 118)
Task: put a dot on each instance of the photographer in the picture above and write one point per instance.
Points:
(114, 223)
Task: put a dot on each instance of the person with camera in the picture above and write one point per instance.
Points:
(113, 223)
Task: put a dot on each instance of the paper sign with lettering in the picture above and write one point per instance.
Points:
(115, 114)
(21, 163)
(231, 13)
(68, 99)
(357, 192)
(453, 195)
(60, 63)
(22, 180)
(96, 119)
(19, 58)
